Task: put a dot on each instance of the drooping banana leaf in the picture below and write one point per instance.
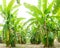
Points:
(4, 4)
(15, 6)
(49, 8)
(44, 4)
(56, 6)
(39, 4)
(17, 21)
(32, 19)
(10, 5)
(29, 25)
(33, 8)
(15, 12)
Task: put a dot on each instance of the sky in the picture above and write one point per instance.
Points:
(22, 10)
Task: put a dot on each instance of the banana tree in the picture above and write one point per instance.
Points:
(35, 35)
(16, 25)
(9, 14)
(58, 29)
(20, 31)
(57, 11)
(41, 15)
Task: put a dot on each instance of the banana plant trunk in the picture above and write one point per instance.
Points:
(14, 40)
(8, 36)
(10, 40)
(46, 31)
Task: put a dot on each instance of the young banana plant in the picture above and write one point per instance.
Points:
(9, 13)
(41, 15)
(57, 12)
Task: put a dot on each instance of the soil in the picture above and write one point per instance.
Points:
(56, 45)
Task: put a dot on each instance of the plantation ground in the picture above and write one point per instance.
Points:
(56, 44)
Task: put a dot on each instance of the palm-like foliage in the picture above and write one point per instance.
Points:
(11, 21)
(35, 35)
(56, 6)
(57, 11)
(42, 16)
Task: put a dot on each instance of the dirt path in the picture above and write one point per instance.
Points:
(23, 46)
(2, 46)
(56, 43)
(26, 46)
